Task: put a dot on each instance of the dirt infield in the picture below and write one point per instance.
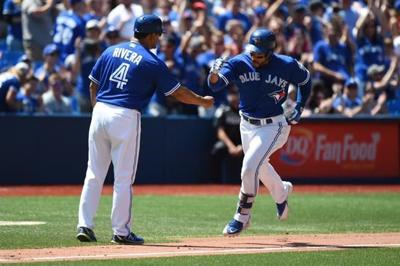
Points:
(207, 246)
(189, 189)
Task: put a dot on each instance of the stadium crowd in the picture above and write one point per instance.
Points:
(351, 48)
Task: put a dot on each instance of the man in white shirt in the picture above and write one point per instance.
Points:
(123, 17)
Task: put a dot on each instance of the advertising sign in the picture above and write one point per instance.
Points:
(342, 150)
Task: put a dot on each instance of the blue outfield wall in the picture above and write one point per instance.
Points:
(176, 150)
(53, 150)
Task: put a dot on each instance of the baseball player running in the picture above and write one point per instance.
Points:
(122, 82)
(263, 78)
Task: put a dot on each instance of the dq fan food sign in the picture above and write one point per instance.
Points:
(340, 150)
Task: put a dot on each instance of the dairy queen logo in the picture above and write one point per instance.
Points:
(298, 147)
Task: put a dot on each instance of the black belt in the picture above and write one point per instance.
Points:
(257, 122)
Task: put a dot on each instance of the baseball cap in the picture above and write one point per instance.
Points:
(92, 24)
(50, 49)
(187, 14)
(24, 58)
(375, 69)
(148, 23)
(112, 31)
(351, 83)
(22, 68)
(300, 8)
(199, 4)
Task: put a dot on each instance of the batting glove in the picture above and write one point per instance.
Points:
(218, 63)
(293, 116)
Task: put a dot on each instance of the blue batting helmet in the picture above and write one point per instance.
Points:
(148, 24)
(261, 40)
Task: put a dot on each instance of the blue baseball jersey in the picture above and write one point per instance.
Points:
(128, 74)
(263, 90)
(337, 58)
(7, 82)
(368, 53)
(68, 27)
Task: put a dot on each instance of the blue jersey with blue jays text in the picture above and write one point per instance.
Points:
(128, 75)
(263, 90)
(7, 82)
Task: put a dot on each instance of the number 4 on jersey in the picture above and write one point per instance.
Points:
(119, 75)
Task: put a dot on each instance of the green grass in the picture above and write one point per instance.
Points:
(169, 218)
(352, 257)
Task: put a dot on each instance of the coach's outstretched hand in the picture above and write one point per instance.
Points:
(294, 115)
(208, 101)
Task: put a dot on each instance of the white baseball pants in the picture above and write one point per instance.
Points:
(114, 136)
(259, 143)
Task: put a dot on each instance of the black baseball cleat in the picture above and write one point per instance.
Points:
(86, 235)
(130, 239)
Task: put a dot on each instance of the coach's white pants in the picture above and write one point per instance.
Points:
(259, 143)
(114, 135)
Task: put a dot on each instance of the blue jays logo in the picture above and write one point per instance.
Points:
(278, 95)
(257, 41)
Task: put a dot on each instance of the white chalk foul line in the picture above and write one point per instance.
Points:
(194, 253)
(14, 223)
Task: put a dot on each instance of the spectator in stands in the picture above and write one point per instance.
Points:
(123, 17)
(348, 103)
(30, 102)
(165, 10)
(161, 105)
(53, 100)
(112, 36)
(381, 86)
(277, 27)
(299, 43)
(97, 10)
(227, 152)
(12, 15)
(315, 23)
(370, 44)
(86, 54)
(332, 59)
(206, 60)
(319, 101)
(233, 12)
(51, 55)
(10, 84)
(234, 39)
(188, 50)
(70, 26)
(37, 26)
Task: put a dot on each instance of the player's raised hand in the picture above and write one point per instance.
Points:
(208, 101)
(218, 63)
(294, 115)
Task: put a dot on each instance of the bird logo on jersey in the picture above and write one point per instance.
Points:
(278, 95)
